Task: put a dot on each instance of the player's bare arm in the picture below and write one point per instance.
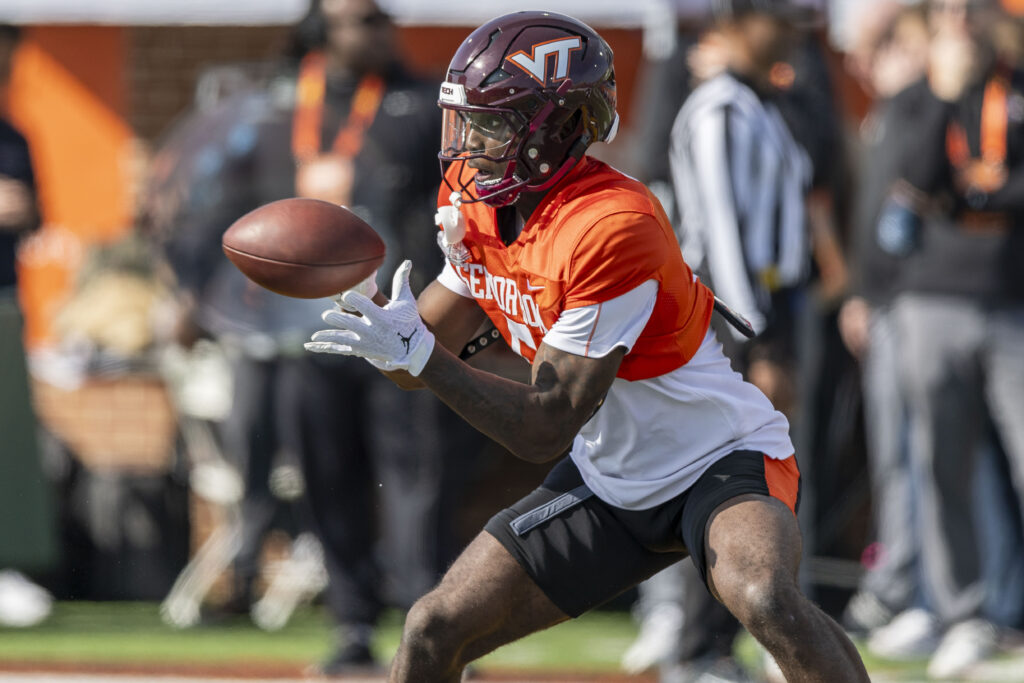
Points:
(538, 421)
(452, 318)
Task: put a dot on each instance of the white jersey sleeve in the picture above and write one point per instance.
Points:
(449, 279)
(594, 331)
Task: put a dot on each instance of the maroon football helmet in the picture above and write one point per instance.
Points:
(533, 89)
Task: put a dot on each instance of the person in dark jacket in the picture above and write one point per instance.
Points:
(28, 543)
(955, 218)
(891, 53)
(360, 131)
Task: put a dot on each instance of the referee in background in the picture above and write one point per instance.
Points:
(741, 181)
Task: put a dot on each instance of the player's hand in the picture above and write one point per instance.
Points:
(367, 288)
(394, 336)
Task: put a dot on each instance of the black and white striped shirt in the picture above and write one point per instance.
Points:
(740, 181)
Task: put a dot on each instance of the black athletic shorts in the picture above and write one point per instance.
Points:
(583, 552)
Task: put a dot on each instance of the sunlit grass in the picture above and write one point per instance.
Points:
(123, 633)
(131, 634)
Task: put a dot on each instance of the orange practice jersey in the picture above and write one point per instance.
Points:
(596, 235)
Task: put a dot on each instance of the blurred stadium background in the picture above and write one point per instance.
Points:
(95, 84)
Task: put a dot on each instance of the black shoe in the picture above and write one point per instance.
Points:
(349, 658)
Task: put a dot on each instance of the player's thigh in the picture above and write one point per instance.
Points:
(579, 550)
(740, 525)
(753, 549)
(554, 554)
(729, 480)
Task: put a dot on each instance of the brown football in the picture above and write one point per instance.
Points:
(304, 248)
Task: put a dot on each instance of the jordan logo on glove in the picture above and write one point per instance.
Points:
(406, 340)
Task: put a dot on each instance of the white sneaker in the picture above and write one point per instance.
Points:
(22, 603)
(660, 632)
(865, 613)
(963, 646)
(710, 669)
(912, 634)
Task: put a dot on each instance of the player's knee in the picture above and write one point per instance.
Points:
(767, 604)
(430, 627)
(426, 619)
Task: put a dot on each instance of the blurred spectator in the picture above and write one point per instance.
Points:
(360, 131)
(889, 52)
(826, 394)
(109, 442)
(743, 224)
(214, 166)
(1008, 33)
(26, 535)
(663, 85)
(743, 229)
(954, 217)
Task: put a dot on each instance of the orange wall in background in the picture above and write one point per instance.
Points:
(67, 96)
(1015, 7)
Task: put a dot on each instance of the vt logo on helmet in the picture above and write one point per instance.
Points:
(536, 63)
(526, 94)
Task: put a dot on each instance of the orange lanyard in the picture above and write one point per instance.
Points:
(993, 127)
(309, 111)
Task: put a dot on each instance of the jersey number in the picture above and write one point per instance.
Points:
(519, 333)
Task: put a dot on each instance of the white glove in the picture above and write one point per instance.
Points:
(391, 338)
(367, 288)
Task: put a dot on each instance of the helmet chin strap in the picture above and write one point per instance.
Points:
(505, 196)
(496, 199)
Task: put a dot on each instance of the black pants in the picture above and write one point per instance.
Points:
(383, 470)
(259, 433)
(28, 530)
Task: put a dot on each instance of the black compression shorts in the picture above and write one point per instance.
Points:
(583, 552)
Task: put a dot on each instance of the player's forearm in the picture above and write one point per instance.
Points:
(533, 421)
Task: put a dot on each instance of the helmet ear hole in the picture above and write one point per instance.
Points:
(570, 128)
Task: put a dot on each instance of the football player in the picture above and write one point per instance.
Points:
(663, 451)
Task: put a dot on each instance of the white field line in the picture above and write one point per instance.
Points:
(121, 678)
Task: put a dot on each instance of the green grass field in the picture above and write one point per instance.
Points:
(116, 635)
